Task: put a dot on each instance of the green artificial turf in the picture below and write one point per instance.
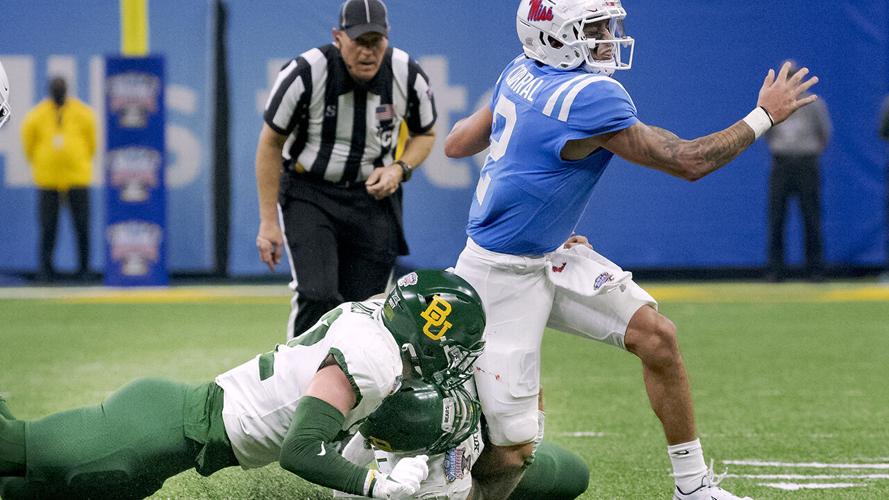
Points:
(790, 373)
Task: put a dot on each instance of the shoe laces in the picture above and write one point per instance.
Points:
(714, 478)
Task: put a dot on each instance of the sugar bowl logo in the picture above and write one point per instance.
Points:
(135, 246)
(134, 171)
(132, 96)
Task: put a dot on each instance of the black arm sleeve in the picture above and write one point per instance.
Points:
(304, 451)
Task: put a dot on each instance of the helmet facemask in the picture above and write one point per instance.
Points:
(449, 365)
(461, 415)
(616, 39)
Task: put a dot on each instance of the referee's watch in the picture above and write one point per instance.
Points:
(406, 170)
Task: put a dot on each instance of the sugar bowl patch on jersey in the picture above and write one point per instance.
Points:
(456, 464)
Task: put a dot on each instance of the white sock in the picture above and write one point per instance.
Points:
(688, 464)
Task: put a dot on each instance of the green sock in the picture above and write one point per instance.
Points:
(12, 447)
(555, 474)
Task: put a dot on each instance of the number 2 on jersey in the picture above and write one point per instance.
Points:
(506, 109)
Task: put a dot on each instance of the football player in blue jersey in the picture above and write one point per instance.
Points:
(555, 120)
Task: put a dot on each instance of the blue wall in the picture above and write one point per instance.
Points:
(698, 68)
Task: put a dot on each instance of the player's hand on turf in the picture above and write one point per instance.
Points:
(270, 244)
(781, 95)
(404, 480)
(383, 181)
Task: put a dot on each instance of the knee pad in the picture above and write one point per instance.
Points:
(512, 430)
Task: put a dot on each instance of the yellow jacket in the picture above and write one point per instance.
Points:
(59, 143)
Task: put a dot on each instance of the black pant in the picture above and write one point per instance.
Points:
(795, 176)
(342, 243)
(78, 200)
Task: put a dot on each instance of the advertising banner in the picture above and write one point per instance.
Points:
(135, 194)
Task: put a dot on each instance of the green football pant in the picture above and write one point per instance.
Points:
(126, 447)
(555, 474)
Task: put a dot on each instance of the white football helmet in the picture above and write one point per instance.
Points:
(552, 32)
(4, 96)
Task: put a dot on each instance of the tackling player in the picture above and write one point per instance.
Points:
(445, 425)
(287, 405)
(555, 121)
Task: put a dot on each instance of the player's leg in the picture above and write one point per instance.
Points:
(79, 203)
(12, 447)
(627, 317)
(810, 204)
(124, 448)
(517, 299)
(368, 247)
(49, 221)
(555, 474)
(311, 242)
(778, 195)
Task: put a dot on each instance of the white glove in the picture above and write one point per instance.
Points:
(404, 480)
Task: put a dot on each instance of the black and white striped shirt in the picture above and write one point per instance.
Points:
(339, 129)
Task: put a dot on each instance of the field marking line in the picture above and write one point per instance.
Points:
(811, 486)
(805, 476)
(810, 465)
(581, 434)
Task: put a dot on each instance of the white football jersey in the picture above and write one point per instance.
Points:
(261, 395)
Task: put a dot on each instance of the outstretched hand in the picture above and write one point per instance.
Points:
(780, 95)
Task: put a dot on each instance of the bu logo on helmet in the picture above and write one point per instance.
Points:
(538, 12)
(436, 316)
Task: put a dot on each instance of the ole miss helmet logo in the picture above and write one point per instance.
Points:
(538, 12)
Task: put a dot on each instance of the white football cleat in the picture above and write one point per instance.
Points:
(708, 490)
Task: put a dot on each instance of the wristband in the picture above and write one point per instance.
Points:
(759, 120)
(406, 170)
(370, 481)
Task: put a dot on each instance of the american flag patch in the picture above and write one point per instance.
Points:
(385, 113)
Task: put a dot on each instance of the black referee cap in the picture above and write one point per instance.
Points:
(358, 17)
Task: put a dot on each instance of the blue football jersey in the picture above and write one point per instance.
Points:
(528, 200)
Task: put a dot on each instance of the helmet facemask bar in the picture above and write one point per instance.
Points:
(4, 113)
(618, 41)
(460, 364)
(461, 415)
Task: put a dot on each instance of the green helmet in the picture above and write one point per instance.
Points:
(422, 417)
(437, 317)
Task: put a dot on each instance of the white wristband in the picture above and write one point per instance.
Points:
(759, 120)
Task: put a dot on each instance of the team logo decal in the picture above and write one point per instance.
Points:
(436, 316)
(538, 12)
(380, 444)
(602, 279)
(134, 171)
(456, 464)
(408, 280)
(133, 96)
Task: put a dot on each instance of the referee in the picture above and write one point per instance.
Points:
(325, 165)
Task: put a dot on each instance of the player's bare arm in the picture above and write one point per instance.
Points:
(693, 159)
(471, 135)
(382, 182)
(269, 240)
